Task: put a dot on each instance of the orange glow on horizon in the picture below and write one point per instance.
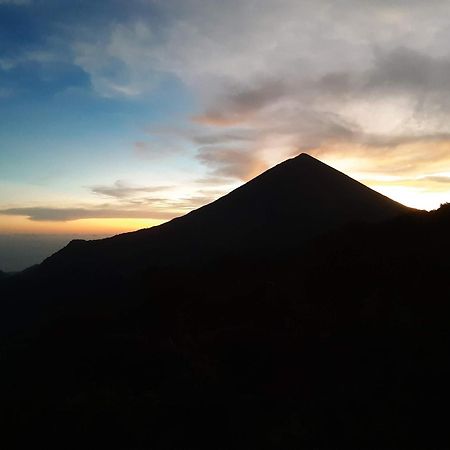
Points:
(23, 225)
(424, 184)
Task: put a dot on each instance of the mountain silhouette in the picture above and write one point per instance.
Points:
(278, 210)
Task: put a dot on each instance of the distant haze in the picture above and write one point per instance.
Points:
(19, 251)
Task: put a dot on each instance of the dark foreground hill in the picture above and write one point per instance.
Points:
(340, 340)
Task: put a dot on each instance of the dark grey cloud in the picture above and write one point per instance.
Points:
(223, 138)
(67, 214)
(438, 179)
(409, 70)
(239, 104)
(122, 190)
(231, 162)
(393, 71)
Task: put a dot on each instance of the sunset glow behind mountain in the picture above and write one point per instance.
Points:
(118, 116)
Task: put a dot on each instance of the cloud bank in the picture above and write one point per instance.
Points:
(277, 78)
(68, 214)
(122, 190)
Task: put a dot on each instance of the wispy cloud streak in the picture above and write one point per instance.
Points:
(68, 214)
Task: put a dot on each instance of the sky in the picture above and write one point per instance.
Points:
(118, 115)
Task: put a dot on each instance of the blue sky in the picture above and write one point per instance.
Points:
(116, 115)
(61, 133)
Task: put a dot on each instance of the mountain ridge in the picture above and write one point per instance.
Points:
(292, 202)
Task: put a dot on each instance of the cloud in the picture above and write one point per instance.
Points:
(231, 162)
(163, 208)
(241, 57)
(201, 198)
(241, 104)
(121, 190)
(241, 41)
(118, 58)
(400, 102)
(223, 138)
(438, 179)
(407, 70)
(69, 214)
